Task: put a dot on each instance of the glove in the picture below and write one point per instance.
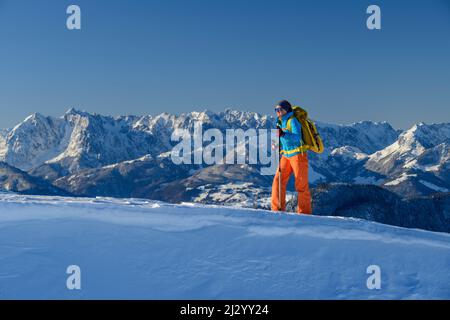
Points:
(280, 132)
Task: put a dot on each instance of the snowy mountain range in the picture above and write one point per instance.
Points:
(418, 161)
(91, 155)
(19, 181)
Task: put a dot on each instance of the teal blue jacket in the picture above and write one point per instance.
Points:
(291, 142)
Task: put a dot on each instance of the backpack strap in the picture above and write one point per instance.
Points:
(302, 147)
(288, 123)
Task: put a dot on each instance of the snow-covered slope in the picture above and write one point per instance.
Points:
(140, 249)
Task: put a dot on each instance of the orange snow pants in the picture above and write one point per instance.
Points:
(298, 165)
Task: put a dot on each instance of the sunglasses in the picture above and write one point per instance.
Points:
(278, 109)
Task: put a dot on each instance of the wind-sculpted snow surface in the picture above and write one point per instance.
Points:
(142, 249)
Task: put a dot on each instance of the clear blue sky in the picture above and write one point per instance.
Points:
(146, 57)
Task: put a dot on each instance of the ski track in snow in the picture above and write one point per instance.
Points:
(143, 249)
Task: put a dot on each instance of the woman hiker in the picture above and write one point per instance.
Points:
(294, 159)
